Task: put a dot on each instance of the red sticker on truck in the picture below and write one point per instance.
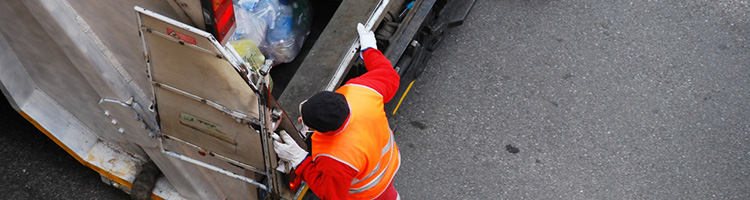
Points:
(181, 36)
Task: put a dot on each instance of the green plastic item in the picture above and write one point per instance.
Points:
(251, 54)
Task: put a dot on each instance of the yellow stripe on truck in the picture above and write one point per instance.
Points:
(402, 97)
(79, 159)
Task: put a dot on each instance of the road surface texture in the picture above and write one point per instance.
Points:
(32, 166)
(538, 99)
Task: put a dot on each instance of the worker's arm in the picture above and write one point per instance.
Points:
(326, 177)
(380, 75)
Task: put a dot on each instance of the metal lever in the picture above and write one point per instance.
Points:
(131, 104)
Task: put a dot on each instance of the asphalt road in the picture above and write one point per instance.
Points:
(599, 100)
(32, 166)
(537, 99)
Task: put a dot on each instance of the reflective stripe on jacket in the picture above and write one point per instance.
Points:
(366, 143)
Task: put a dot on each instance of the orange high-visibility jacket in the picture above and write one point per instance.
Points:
(365, 143)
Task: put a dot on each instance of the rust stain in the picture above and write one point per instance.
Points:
(119, 167)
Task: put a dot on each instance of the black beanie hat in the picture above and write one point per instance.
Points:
(325, 111)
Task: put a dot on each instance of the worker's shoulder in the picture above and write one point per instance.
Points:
(356, 89)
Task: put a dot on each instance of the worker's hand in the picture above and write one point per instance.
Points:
(288, 150)
(366, 39)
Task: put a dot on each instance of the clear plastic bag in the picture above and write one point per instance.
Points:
(250, 23)
(278, 27)
(292, 26)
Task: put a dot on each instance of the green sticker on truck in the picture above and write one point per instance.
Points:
(205, 126)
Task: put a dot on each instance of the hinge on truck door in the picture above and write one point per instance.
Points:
(147, 120)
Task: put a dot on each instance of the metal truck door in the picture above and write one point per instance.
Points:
(200, 96)
(208, 102)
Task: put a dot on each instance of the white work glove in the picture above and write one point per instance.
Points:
(366, 39)
(288, 150)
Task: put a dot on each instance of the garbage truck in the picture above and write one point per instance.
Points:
(153, 96)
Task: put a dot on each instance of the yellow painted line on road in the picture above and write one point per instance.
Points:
(402, 97)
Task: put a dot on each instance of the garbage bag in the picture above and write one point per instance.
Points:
(249, 52)
(278, 27)
(252, 20)
(291, 27)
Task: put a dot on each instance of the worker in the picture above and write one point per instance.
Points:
(354, 155)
